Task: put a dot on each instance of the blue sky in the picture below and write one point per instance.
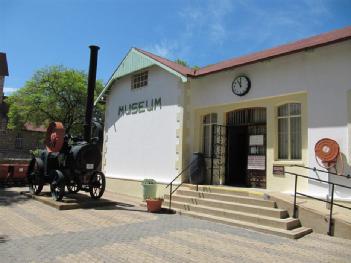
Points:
(39, 33)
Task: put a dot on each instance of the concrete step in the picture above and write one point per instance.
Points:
(285, 223)
(294, 233)
(228, 198)
(225, 190)
(253, 209)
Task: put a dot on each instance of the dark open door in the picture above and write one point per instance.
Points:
(246, 148)
(237, 156)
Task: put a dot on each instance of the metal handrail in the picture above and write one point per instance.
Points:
(318, 170)
(331, 202)
(171, 190)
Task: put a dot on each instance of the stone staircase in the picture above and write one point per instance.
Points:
(236, 207)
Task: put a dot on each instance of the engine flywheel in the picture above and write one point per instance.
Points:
(54, 137)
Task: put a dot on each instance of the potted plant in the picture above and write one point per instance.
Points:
(154, 204)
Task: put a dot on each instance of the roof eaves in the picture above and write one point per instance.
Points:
(283, 50)
(111, 79)
(166, 64)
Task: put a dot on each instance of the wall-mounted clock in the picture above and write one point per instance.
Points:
(241, 85)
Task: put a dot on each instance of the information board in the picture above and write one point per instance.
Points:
(256, 140)
(256, 162)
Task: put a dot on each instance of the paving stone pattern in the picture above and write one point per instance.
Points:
(31, 231)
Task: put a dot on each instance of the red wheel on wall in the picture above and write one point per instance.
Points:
(328, 152)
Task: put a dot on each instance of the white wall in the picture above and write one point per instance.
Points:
(143, 145)
(325, 73)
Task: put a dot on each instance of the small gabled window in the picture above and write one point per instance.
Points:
(139, 80)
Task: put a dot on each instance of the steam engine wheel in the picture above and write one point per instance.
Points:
(57, 185)
(74, 186)
(35, 172)
(97, 185)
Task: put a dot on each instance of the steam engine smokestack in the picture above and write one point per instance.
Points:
(91, 88)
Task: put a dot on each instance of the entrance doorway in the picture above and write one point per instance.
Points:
(246, 148)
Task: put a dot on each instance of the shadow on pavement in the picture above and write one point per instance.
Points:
(3, 239)
(10, 197)
(129, 207)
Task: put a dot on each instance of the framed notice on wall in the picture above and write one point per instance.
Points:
(256, 140)
(256, 162)
(278, 170)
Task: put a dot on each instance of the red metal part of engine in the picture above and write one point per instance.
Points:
(54, 137)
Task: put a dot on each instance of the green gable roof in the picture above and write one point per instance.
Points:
(134, 61)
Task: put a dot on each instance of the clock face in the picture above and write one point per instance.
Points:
(241, 85)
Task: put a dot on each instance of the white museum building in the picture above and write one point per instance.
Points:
(251, 117)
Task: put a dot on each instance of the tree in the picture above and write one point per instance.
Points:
(53, 94)
(181, 62)
(185, 64)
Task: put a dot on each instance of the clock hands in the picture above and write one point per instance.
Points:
(239, 82)
(241, 85)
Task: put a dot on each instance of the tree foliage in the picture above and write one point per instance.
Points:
(185, 64)
(53, 94)
(181, 62)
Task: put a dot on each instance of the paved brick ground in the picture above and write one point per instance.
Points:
(33, 232)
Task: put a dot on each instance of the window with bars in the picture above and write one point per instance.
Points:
(139, 80)
(19, 141)
(289, 132)
(207, 122)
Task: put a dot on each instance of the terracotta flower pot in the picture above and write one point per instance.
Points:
(154, 205)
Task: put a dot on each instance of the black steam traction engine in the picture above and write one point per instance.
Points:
(71, 162)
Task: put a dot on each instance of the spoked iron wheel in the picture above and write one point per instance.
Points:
(74, 186)
(35, 173)
(57, 185)
(97, 185)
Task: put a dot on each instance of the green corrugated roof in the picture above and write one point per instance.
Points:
(133, 62)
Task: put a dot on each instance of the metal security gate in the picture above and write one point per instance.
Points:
(218, 151)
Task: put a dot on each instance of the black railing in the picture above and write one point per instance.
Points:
(170, 185)
(330, 202)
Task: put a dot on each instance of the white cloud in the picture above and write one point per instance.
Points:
(317, 8)
(221, 26)
(271, 26)
(164, 48)
(9, 90)
(208, 20)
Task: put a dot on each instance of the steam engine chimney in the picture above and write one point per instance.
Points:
(91, 88)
